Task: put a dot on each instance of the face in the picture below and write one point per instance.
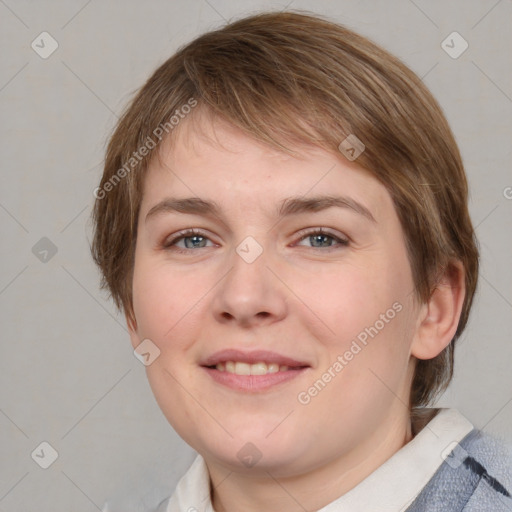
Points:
(285, 319)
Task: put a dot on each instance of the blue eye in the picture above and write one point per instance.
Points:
(194, 239)
(320, 239)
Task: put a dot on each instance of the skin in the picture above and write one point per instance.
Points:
(303, 300)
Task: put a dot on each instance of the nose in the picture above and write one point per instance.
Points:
(250, 294)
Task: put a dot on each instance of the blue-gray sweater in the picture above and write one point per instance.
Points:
(475, 477)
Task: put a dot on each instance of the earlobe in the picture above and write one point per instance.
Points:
(440, 315)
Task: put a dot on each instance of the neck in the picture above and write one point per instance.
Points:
(233, 491)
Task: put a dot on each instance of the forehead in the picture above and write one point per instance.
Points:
(211, 159)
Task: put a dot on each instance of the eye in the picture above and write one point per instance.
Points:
(191, 238)
(322, 239)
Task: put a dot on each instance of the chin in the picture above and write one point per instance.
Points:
(256, 452)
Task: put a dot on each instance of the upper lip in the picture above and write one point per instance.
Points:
(251, 357)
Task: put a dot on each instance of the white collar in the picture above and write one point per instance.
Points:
(390, 488)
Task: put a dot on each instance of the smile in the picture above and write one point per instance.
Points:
(257, 370)
(240, 377)
(240, 368)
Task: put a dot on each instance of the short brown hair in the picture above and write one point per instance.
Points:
(292, 78)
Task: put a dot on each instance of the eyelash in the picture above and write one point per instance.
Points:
(188, 233)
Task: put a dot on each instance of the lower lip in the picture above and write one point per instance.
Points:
(253, 382)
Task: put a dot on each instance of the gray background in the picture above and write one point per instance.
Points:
(67, 372)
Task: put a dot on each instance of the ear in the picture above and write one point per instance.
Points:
(439, 317)
(131, 323)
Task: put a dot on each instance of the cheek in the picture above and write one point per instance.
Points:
(370, 364)
(166, 305)
(367, 309)
(163, 298)
(346, 298)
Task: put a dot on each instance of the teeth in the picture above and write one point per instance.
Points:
(250, 369)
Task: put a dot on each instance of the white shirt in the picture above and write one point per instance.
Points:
(390, 488)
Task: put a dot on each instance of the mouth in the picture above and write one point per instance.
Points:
(261, 368)
(252, 371)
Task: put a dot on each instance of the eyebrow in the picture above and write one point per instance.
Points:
(289, 206)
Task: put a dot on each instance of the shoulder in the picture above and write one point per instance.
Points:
(476, 476)
(491, 458)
